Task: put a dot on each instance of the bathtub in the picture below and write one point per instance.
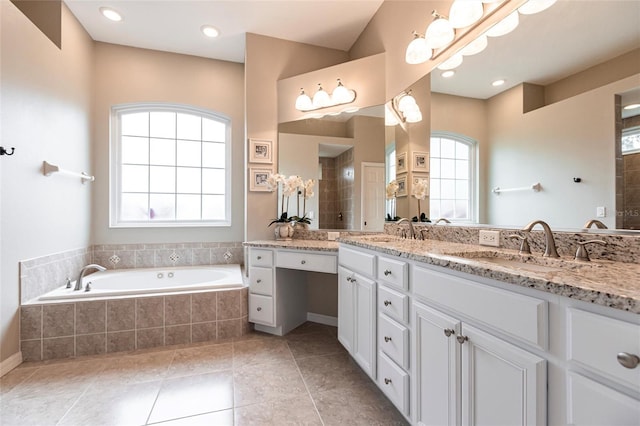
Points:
(131, 282)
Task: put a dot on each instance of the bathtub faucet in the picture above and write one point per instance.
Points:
(83, 271)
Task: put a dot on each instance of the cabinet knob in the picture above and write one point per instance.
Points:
(387, 302)
(258, 281)
(387, 272)
(448, 332)
(461, 339)
(387, 381)
(259, 257)
(628, 360)
(387, 339)
(303, 262)
(258, 308)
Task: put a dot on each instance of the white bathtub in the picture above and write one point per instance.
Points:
(127, 282)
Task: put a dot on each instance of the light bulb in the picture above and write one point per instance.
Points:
(303, 102)
(465, 12)
(341, 95)
(505, 26)
(407, 103)
(321, 98)
(439, 33)
(413, 116)
(535, 6)
(453, 62)
(418, 51)
(475, 47)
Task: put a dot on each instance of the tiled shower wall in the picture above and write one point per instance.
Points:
(328, 193)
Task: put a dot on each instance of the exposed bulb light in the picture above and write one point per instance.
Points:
(465, 12)
(453, 62)
(439, 33)
(321, 99)
(632, 106)
(535, 6)
(505, 26)
(110, 14)
(406, 108)
(210, 31)
(418, 51)
(498, 83)
(448, 74)
(475, 47)
(303, 101)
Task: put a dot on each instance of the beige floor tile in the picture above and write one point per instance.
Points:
(192, 395)
(267, 383)
(15, 378)
(217, 418)
(313, 344)
(140, 368)
(38, 411)
(260, 351)
(359, 405)
(298, 411)
(116, 405)
(322, 373)
(313, 327)
(199, 360)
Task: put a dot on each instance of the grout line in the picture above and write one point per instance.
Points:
(313, 401)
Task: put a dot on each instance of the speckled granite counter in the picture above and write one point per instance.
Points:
(606, 283)
(314, 245)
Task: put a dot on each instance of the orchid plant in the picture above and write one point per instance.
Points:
(392, 191)
(420, 191)
(289, 186)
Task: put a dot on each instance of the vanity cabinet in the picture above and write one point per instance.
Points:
(261, 287)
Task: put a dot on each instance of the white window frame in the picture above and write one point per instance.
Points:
(473, 174)
(628, 132)
(115, 151)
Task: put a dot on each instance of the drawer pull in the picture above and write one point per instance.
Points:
(461, 339)
(387, 272)
(448, 332)
(303, 262)
(387, 302)
(259, 257)
(258, 308)
(387, 381)
(628, 360)
(258, 281)
(387, 339)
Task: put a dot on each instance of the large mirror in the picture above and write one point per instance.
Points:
(557, 120)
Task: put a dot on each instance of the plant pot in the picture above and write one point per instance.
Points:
(284, 231)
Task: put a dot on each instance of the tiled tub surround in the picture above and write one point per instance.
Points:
(64, 330)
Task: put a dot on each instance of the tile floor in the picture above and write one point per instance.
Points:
(304, 378)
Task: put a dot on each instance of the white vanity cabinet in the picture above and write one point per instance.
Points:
(357, 307)
(261, 287)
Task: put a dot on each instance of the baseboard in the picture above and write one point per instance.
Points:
(322, 319)
(10, 363)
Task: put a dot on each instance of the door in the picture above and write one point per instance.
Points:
(373, 196)
(501, 383)
(346, 315)
(364, 350)
(436, 367)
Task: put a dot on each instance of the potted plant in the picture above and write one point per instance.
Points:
(283, 223)
(306, 191)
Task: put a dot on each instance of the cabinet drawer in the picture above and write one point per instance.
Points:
(595, 342)
(523, 317)
(590, 403)
(393, 340)
(394, 382)
(260, 257)
(261, 309)
(393, 272)
(357, 261)
(307, 261)
(261, 280)
(393, 304)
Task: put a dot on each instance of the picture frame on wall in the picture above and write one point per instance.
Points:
(258, 179)
(415, 177)
(401, 162)
(402, 186)
(260, 151)
(420, 161)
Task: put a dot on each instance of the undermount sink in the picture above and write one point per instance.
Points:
(525, 262)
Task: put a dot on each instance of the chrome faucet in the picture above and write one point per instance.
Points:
(550, 243)
(595, 222)
(83, 271)
(412, 233)
(442, 219)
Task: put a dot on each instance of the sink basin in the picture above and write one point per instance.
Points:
(523, 262)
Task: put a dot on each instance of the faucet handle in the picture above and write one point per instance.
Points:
(582, 254)
(68, 282)
(524, 244)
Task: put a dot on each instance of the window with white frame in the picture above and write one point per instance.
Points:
(452, 178)
(631, 140)
(170, 166)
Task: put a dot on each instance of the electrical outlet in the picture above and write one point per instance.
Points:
(601, 211)
(490, 238)
(332, 236)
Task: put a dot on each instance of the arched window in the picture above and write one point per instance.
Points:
(452, 178)
(170, 166)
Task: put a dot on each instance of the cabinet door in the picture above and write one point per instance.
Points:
(435, 367)
(364, 350)
(346, 305)
(501, 383)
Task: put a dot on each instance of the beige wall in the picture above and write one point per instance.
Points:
(45, 99)
(127, 74)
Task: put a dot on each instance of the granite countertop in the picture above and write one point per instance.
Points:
(312, 245)
(606, 283)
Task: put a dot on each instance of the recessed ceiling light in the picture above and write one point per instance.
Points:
(448, 74)
(498, 83)
(632, 106)
(210, 31)
(110, 14)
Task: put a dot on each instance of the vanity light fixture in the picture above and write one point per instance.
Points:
(405, 108)
(440, 32)
(210, 31)
(631, 106)
(111, 14)
(465, 12)
(505, 26)
(321, 99)
(418, 51)
(390, 117)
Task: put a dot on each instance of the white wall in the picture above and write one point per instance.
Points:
(45, 98)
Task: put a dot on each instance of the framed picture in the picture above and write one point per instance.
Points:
(258, 179)
(260, 151)
(420, 161)
(417, 177)
(401, 162)
(402, 186)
